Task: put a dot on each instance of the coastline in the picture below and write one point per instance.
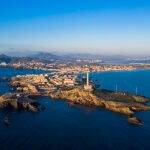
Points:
(59, 70)
(120, 102)
(125, 107)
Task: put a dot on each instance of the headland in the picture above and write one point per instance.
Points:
(69, 86)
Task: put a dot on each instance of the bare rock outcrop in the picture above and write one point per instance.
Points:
(9, 101)
(124, 106)
(134, 120)
(77, 96)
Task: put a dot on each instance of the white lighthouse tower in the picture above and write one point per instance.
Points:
(87, 79)
(87, 87)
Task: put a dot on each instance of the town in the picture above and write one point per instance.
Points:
(70, 81)
(86, 66)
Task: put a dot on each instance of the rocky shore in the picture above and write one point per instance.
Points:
(17, 103)
(3, 79)
(66, 87)
(134, 120)
(118, 102)
(127, 104)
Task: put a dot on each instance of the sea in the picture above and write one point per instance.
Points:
(63, 127)
(127, 62)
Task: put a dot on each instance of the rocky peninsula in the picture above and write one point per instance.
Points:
(119, 102)
(73, 89)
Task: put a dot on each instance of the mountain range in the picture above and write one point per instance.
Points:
(60, 57)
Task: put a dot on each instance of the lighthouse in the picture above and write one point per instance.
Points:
(88, 87)
(87, 79)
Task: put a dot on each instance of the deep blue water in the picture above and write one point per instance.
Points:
(78, 128)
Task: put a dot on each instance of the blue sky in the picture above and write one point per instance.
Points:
(96, 26)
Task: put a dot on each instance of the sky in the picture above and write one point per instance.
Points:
(94, 26)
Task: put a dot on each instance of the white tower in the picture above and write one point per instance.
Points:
(87, 79)
(88, 87)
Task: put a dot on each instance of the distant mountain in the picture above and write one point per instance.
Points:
(40, 57)
(60, 57)
(9, 59)
(75, 56)
(4, 58)
(83, 56)
(45, 56)
(19, 53)
(50, 57)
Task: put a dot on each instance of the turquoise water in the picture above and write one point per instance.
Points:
(77, 128)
